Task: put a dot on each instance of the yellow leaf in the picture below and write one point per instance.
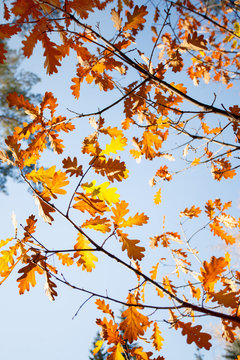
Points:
(98, 347)
(87, 258)
(158, 197)
(116, 353)
(195, 162)
(102, 192)
(117, 144)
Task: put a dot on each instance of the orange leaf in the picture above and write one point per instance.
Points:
(154, 271)
(51, 180)
(156, 337)
(30, 227)
(135, 20)
(119, 213)
(87, 203)
(133, 250)
(3, 51)
(109, 331)
(196, 292)
(134, 323)
(98, 224)
(192, 212)
(210, 273)
(65, 258)
(105, 308)
(137, 219)
(52, 55)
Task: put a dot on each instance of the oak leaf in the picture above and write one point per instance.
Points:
(225, 298)
(116, 144)
(65, 259)
(98, 345)
(50, 287)
(194, 334)
(158, 197)
(211, 272)
(72, 167)
(134, 323)
(116, 19)
(28, 277)
(154, 271)
(157, 338)
(135, 20)
(114, 169)
(52, 55)
(119, 212)
(101, 305)
(44, 209)
(30, 227)
(82, 7)
(89, 204)
(137, 219)
(116, 353)
(51, 180)
(102, 191)
(109, 331)
(98, 224)
(86, 258)
(133, 250)
(192, 212)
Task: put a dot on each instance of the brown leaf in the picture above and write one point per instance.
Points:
(113, 169)
(194, 334)
(44, 209)
(72, 167)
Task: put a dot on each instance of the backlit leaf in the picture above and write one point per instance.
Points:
(134, 323)
(156, 337)
(98, 224)
(87, 258)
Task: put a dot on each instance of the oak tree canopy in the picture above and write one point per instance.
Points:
(148, 55)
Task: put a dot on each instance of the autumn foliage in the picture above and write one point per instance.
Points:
(186, 37)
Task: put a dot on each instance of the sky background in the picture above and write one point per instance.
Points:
(32, 326)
